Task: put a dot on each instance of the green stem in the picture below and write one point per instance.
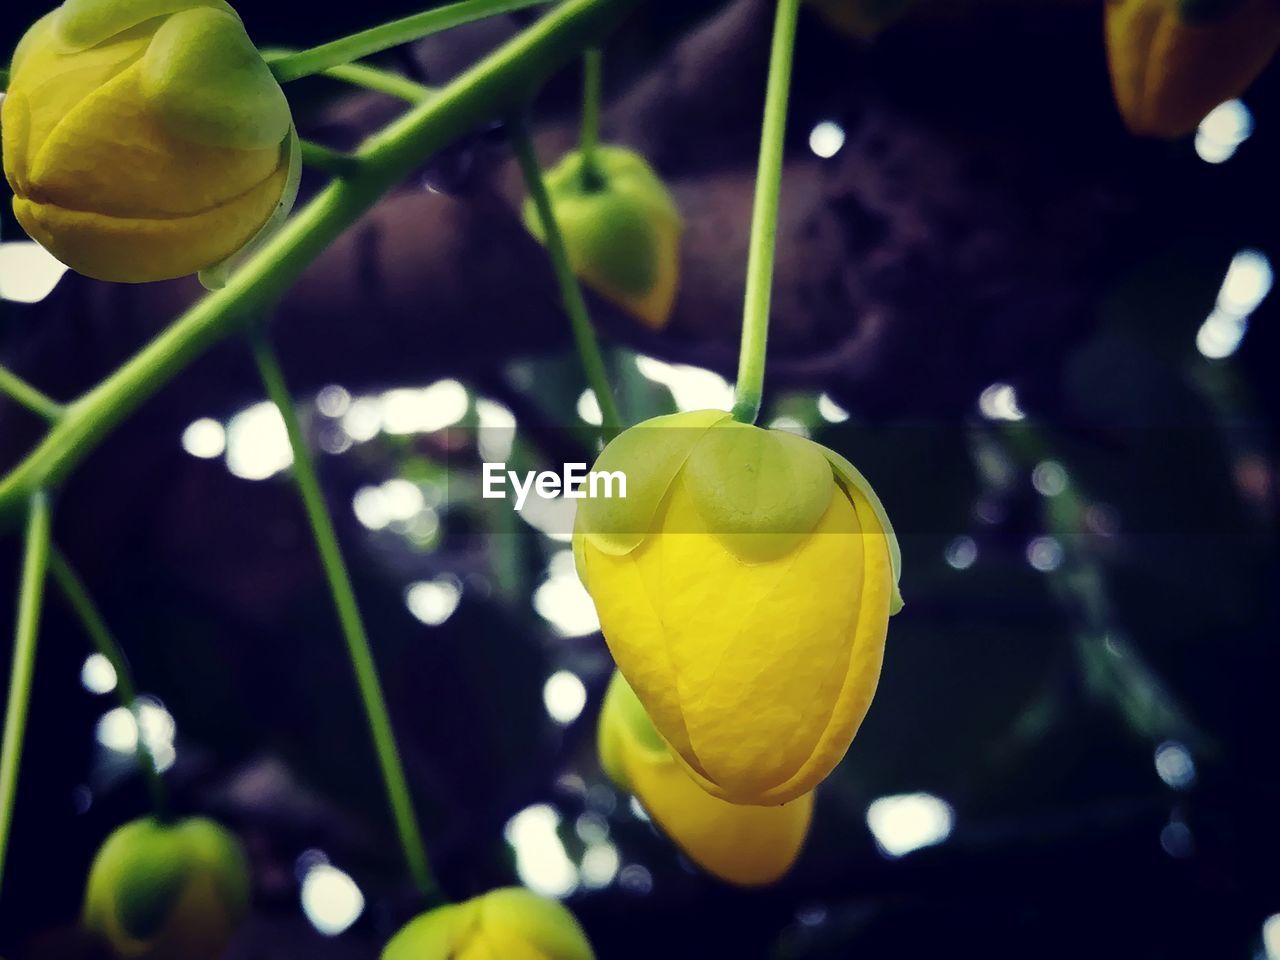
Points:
(575, 305)
(353, 629)
(357, 46)
(764, 218)
(333, 162)
(34, 563)
(592, 87)
(95, 626)
(382, 81)
(27, 395)
(486, 90)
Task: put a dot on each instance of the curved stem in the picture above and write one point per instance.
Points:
(592, 87)
(584, 334)
(30, 593)
(485, 90)
(333, 162)
(357, 46)
(382, 81)
(353, 629)
(27, 395)
(95, 626)
(764, 218)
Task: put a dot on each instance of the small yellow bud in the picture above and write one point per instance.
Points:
(745, 845)
(168, 892)
(621, 229)
(146, 139)
(744, 586)
(1173, 61)
(510, 923)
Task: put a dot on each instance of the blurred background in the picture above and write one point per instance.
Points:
(1050, 345)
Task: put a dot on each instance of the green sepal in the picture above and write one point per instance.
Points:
(216, 277)
(852, 476)
(215, 852)
(210, 85)
(761, 492)
(612, 228)
(136, 879)
(436, 933)
(651, 455)
(87, 23)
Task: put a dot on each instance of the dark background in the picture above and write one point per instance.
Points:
(988, 220)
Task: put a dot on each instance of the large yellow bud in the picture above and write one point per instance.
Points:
(744, 586)
(146, 139)
(1172, 61)
(168, 891)
(621, 230)
(745, 845)
(510, 923)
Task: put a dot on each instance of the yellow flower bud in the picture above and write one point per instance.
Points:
(146, 139)
(862, 18)
(744, 586)
(622, 231)
(510, 923)
(168, 891)
(745, 845)
(1172, 61)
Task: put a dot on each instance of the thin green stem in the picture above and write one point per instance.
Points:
(487, 89)
(575, 305)
(30, 593)
(333, 162)
(77, 596)
(353, 629)
(383, 81)
(357, 46)
(27, 395)
(592, 87)
(764, 218)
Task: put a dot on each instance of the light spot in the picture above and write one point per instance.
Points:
(204, 438)
(1271, 936)
(118, 731)
(1174, 765)
(600, 863)
(564, 696)
(637, 810)
(424, 410)
(433, 601)
(1221, 132)
(564, 603)
(1049, 478)
(257, 443)
(1045, 554)
(330, 899)
(1000, 402)
(692, 388)
(636, 879)
(333, 401)
(363, 419)
(831, 411)
(370, 506)
(402, 499)
(961, 553)
(98, 675)
(28, 272)
(1177, 840)
(1249, 279)
(589, 408)
(497, 430)
(826, 139)
(909, 821)
(789, 425)
(541, 861)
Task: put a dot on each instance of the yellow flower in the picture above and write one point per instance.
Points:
(1172, 61)
(622, 234)
(168, 891)
(862, 18)
(744, 586)
(146, 139)
(510, 923)
(746, 845)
